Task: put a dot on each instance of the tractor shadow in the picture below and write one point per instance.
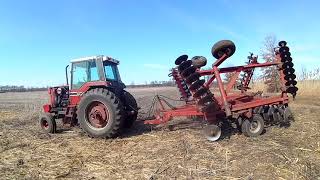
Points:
(137, 129)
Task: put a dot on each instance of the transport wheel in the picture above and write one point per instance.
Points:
(212, 132)
(130, 105)
(253, 127)
(48, 123)
(100, 113)
(223, 47)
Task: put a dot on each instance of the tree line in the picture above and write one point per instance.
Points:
(152, 84)
(8, 88)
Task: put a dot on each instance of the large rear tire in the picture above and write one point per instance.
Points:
(100, 113)
(130, 106)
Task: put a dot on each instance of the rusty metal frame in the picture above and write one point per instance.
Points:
(230, 103)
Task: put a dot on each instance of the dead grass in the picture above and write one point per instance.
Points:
(146, 153)
(309, 87)
(306, 87)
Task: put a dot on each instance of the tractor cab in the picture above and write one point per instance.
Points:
(95, 69)
(86, 73)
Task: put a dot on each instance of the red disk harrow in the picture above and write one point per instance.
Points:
(250, 111)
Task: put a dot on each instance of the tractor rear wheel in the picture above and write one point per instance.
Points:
(48, 123)
(130, 106)
(100, 113)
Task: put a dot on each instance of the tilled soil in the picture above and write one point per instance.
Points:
(146, 152)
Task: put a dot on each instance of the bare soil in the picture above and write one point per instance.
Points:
(145, 152)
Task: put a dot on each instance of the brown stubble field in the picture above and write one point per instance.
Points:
(155, 153)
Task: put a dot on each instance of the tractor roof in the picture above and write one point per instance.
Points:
(89, 58)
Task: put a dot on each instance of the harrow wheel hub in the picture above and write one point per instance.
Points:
(98, 115)
(254, 126)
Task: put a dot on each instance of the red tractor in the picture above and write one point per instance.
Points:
(95, 99)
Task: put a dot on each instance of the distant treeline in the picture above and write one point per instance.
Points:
(4, 89)
(152, 84)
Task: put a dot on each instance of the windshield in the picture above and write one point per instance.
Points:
(111, 71)
(82, 72)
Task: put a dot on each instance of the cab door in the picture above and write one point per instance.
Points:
(82, 73)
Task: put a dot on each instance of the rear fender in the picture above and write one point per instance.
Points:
(76, 94)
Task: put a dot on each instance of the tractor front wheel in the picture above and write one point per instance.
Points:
(100, 113)
(48, 123)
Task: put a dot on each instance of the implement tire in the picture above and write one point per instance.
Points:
(223, 47)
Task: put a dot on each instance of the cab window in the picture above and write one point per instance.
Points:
(111, 71)
(82, 72)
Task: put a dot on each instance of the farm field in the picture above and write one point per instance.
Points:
(155, 153)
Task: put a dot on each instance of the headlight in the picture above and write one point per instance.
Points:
(59, 91)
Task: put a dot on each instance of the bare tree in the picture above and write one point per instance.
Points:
(304, 74)
(271, 74)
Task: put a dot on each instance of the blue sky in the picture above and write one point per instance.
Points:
(38, 38)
